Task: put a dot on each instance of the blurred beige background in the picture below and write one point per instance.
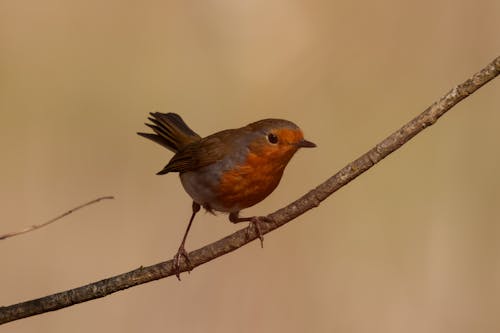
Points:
(410, 246)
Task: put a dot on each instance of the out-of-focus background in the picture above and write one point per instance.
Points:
(410, 246)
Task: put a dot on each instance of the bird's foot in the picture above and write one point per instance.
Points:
(256, 222)
(181, 253)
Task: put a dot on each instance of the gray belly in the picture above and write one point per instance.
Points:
(201, 185)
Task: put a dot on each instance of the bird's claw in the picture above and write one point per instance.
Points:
(181, 253)
(255, 222)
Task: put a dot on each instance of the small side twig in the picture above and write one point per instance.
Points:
(38, 226)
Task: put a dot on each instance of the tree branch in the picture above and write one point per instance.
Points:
(279, 218)
(38, 226)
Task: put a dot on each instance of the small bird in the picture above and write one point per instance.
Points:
(227, 171)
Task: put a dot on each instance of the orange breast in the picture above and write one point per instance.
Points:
(251, 182)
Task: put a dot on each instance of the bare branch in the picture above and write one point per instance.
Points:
(38, 226)
(238, 239)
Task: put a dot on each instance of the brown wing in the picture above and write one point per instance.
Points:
(199, 154)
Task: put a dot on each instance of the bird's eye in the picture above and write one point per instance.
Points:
(272, 138)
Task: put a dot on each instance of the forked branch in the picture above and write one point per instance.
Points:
(238, 239)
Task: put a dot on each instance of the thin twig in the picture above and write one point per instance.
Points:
(38, 226)
(279, 218)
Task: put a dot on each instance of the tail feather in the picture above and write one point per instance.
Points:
(170, 131)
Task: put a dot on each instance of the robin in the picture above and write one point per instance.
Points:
(227, 171)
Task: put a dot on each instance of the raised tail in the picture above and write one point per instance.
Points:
(171, 131)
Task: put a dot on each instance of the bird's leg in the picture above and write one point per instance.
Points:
(254, 220)
(182, 251)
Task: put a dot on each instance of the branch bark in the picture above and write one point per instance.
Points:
(236, 240)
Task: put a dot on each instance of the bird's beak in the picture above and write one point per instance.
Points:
(305, 144)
